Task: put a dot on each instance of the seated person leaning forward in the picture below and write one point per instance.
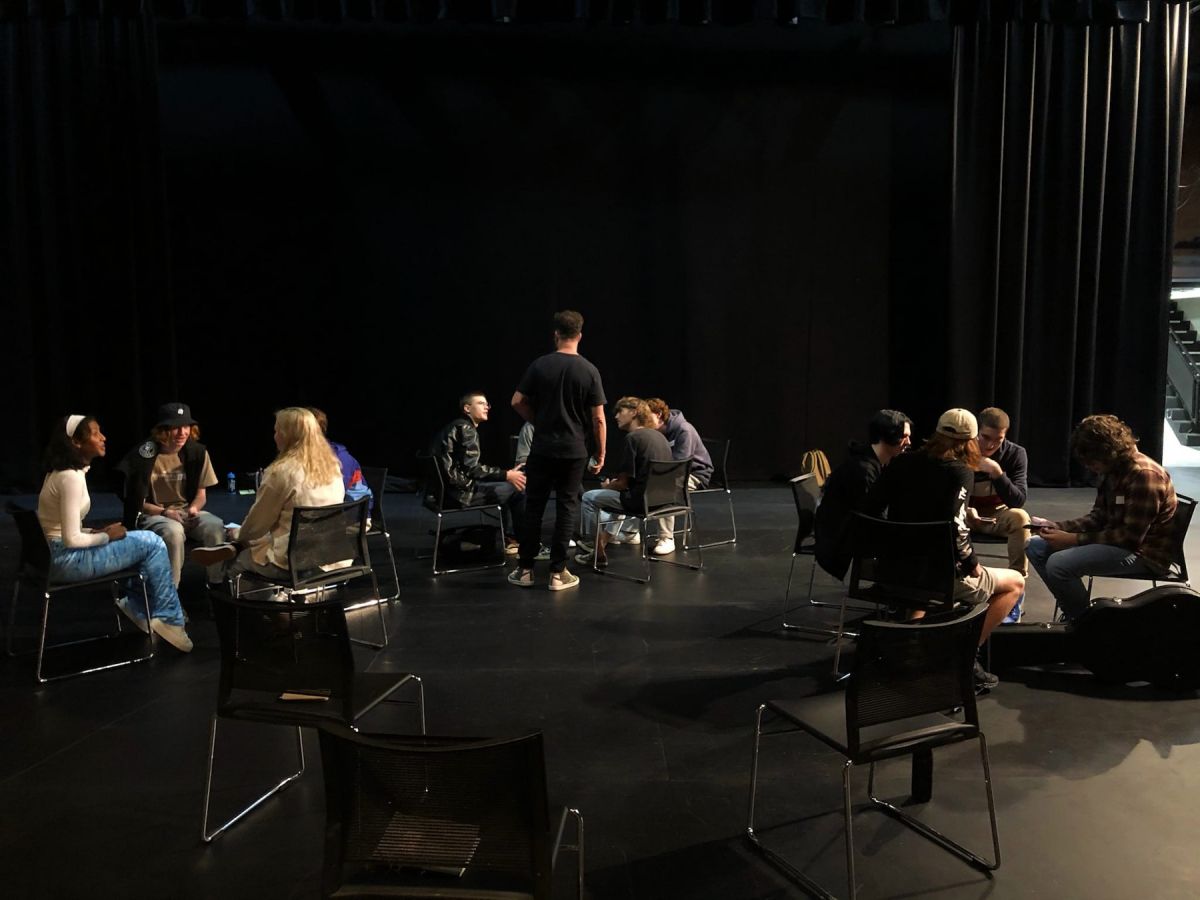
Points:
(469, 482)
(1129, 530)
(932, 485)
(685, 443)
(847, 489)
(624, 492)
(1001, 488)
(305, 473)
(81, 554)
(166, 487)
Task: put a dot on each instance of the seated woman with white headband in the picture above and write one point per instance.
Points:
(305, 473)
(79, 554)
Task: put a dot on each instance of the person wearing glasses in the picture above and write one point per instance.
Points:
(1001, 488)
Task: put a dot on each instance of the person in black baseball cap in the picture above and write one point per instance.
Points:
(166, 481)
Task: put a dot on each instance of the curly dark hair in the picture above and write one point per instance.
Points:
(61, 452)
(1102, 439)
(943, 446)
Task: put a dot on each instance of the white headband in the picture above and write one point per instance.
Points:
(73, 423)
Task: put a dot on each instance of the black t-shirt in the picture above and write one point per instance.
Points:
(562, 388)
(641, 446)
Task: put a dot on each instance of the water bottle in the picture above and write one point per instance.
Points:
(231, 482)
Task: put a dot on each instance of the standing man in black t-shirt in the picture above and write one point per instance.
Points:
(562, 395)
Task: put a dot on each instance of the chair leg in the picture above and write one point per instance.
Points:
(936, 837)
(207, 836)
(387, 540)
(803, 629)
(851, 878)
(732, 523)
(570, 812)
(771, 856)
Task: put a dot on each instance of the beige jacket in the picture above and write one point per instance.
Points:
(268, 525)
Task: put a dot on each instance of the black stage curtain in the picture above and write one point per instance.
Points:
(1067, 127)
(87, 322)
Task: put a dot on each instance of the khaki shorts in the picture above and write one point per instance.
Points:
(972, 590)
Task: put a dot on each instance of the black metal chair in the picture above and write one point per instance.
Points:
(34, 570)
(376, 479)
(718, 450)
(666, 496)
(1178, 573)
(327, 547)
(434, 499)
(440, 817)
(899, 565)
(905, 678)
(805, 493)
(290, 664)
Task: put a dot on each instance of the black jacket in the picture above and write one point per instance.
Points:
(133, 481)
(455, 449)
(846, 492)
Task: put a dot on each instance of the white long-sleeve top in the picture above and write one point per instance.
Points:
(63, 504)
(268, 525)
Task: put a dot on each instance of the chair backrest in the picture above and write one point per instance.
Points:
(456, 816)
(433, 482)
(376, 479)
(1184, 509)
(805, 493)
(905, 563)
(912, 669)
(666, 483)
(718, 451)
(327, 538)
(270, 649)
(35, 550)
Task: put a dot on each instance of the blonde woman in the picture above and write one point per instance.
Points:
(305, 473)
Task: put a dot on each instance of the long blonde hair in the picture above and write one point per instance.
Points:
(305, 447)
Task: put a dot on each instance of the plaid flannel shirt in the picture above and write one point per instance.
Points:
(1134, 508)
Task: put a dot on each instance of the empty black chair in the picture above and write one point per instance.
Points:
(376, 479)
(440, 817)
(33, 569)
(718, 449)
(434, 499)
(327, 547)
(905, 678)
(805, 494)
(291, 664)
(900, 565)
(666, 496)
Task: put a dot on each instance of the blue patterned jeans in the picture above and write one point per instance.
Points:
(141, 550)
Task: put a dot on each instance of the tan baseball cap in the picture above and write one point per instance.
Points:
(958, 423)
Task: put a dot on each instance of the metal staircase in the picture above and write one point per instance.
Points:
(1183, 378)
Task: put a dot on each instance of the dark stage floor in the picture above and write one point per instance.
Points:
(647, 697)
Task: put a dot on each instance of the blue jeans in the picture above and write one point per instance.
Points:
(1063, 569)
(141, 550)
(606, 504)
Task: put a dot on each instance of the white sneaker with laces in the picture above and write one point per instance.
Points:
(665, 546)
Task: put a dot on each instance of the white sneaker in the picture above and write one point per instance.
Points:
(626, 537)
(123, 605)
(210, 556)
(562, 581)
(175, 635)
(665, 546)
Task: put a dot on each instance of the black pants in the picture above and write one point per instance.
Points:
(508, 498)
(565, 477)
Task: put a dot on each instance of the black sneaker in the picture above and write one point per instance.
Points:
(984, 680)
